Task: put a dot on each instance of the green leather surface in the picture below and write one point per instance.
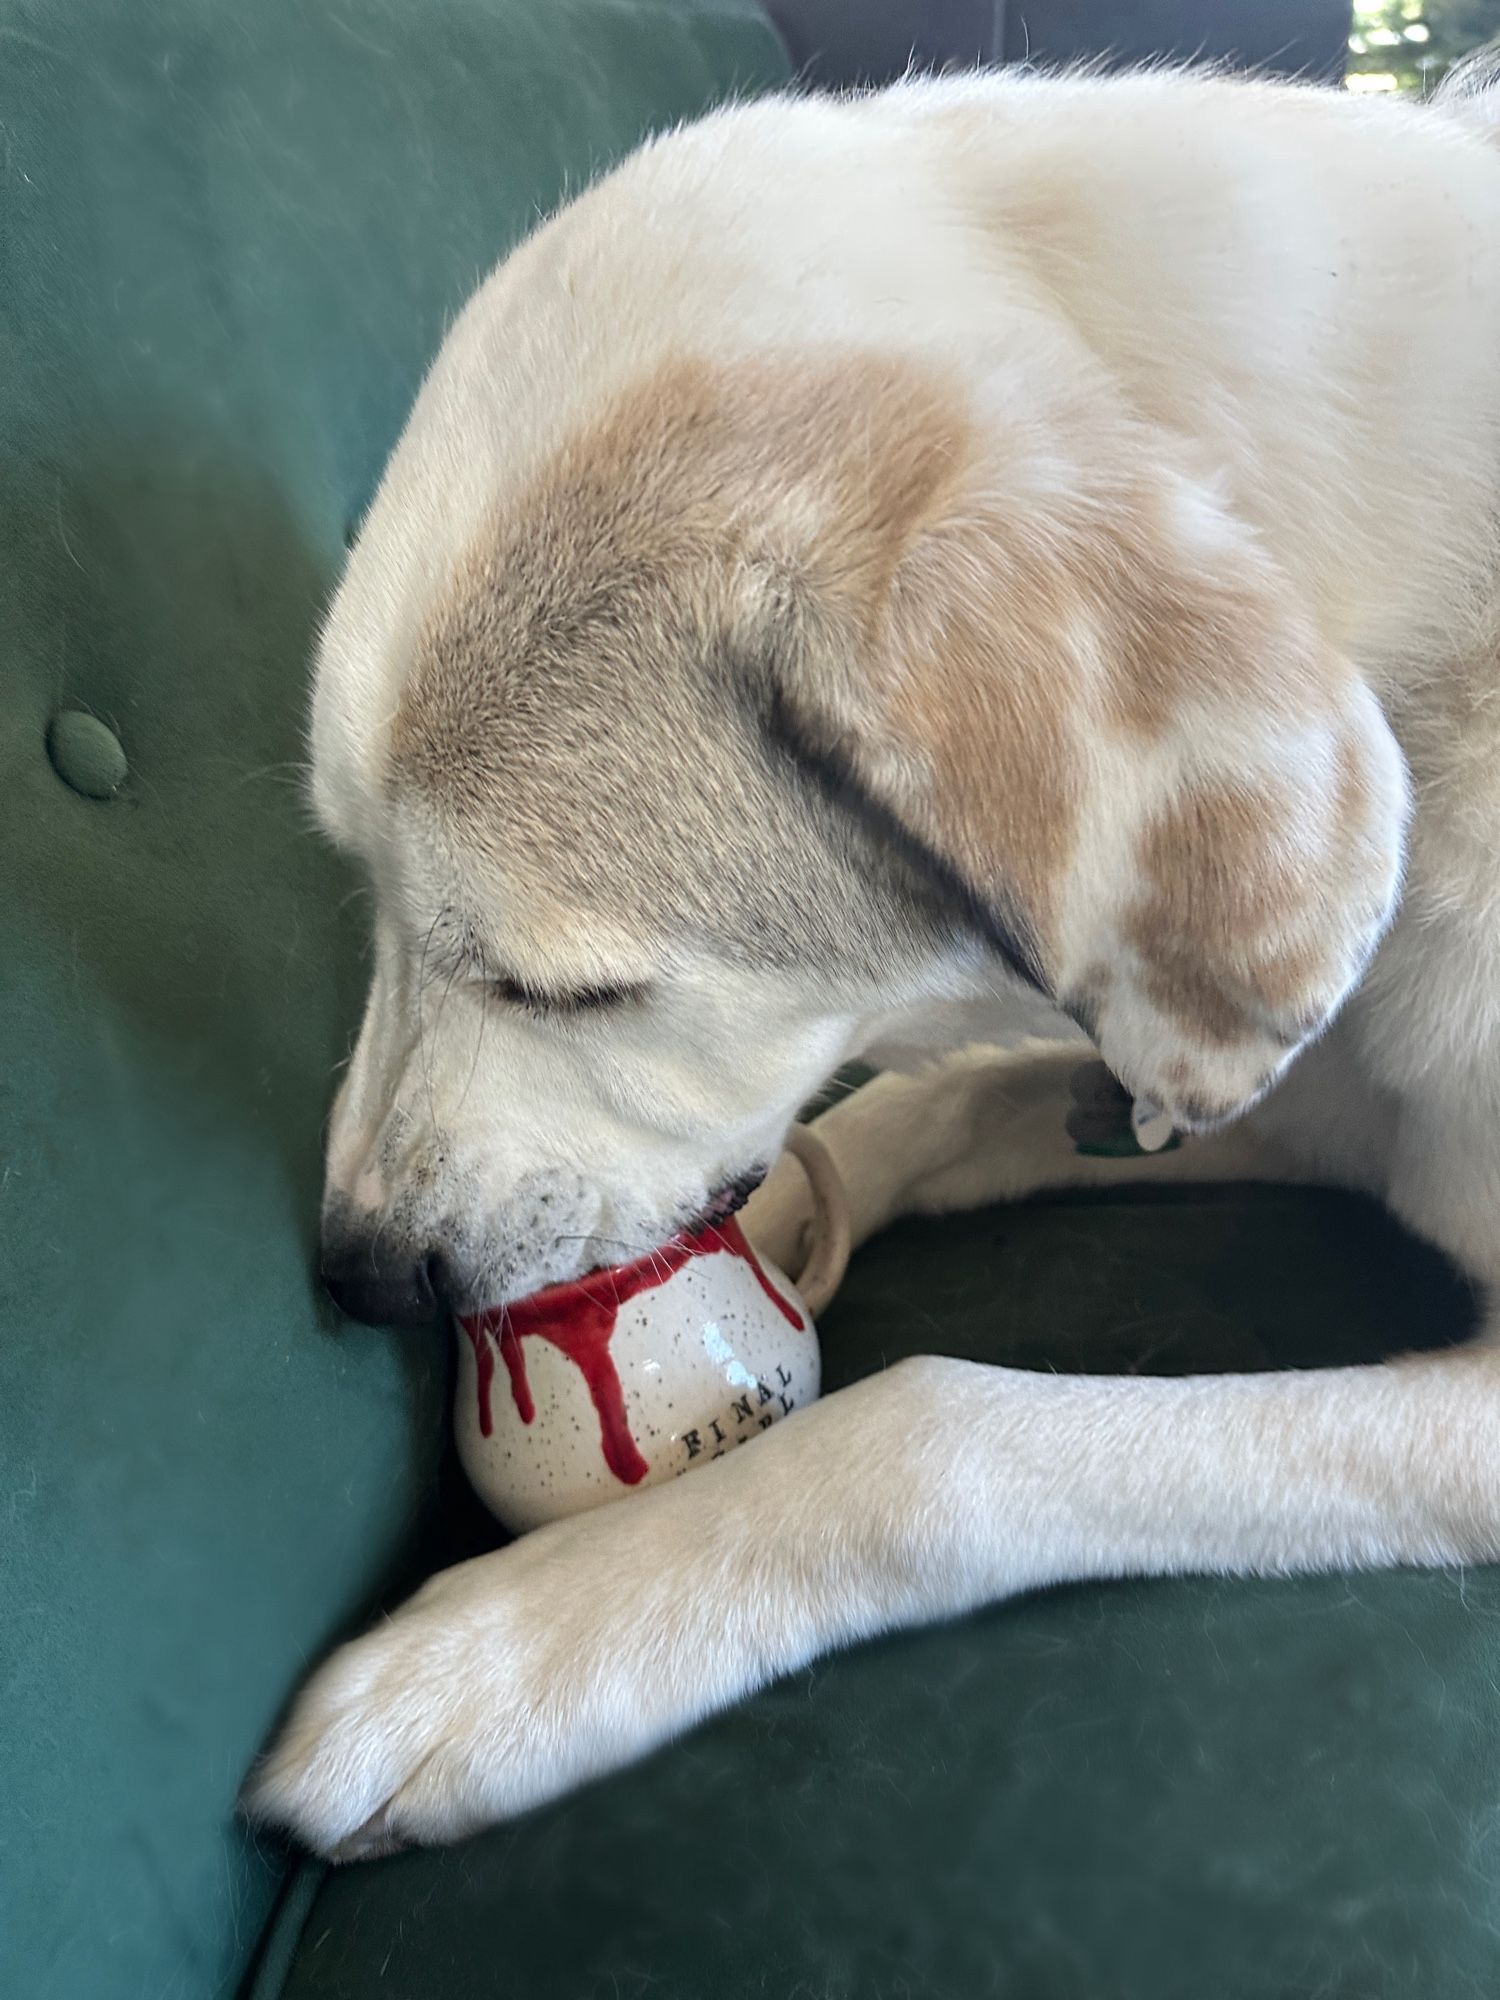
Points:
(1196, 1790)
(230, 237)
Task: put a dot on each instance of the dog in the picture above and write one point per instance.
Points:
(864, 561)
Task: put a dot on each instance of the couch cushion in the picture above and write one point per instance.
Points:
(1148, 1791)
(233, 234)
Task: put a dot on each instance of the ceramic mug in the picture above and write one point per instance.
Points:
(634, 1374)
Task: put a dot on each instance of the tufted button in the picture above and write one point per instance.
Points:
(86, 754)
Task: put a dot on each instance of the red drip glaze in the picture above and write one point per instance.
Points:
(515, 1368)
(578, 1318)
(737, 1241)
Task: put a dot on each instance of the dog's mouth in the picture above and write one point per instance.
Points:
(726, 1202)
(715, 1212)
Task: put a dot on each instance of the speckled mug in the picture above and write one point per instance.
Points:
(632, 1375)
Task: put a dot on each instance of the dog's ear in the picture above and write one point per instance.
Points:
(1110, 729)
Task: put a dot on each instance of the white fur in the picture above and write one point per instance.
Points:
(1298, 296)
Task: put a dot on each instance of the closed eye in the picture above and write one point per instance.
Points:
(577, 1000)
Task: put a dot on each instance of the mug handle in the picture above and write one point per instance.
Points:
(823, 1273)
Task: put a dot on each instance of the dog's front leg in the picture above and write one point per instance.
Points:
(919, 1493)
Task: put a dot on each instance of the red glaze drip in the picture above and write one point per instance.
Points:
(578, 1318)
(737, 1241)
(515, 1368)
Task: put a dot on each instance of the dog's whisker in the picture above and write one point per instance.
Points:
(424, 1046)
(484, 1015)
(636, 1249)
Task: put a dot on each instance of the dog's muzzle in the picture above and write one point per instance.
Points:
(384, 1285)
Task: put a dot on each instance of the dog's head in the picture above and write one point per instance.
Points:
(773, 708)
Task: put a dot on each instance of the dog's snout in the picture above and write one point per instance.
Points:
(383, 1284)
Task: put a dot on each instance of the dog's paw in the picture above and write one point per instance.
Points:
(512, 1678)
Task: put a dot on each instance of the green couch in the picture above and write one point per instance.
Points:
(230, 238)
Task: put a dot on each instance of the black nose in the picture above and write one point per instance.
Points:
(381, 1285)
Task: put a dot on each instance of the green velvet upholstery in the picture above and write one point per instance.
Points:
(231, 234)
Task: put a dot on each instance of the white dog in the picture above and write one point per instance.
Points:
(861, 560)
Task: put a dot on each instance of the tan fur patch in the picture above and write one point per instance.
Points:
(987, 693)
(832, 492)
(1187, 637)
(1208, 899)
(1220, 930)
(634, 531)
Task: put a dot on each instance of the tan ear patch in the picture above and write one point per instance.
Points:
(1025, 640)
(1174, 637)
(1219, 880)
(984, 689)
(1247, 889)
